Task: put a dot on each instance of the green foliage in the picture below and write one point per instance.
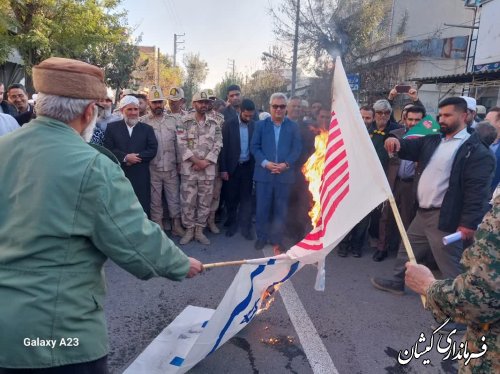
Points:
(228, 80)
(148, 68)
(196, 73)
(80, 29)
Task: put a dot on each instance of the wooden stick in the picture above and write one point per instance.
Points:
(252, 261)
(404, 236)
(221, 264)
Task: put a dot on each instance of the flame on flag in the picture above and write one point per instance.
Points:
(313, 172)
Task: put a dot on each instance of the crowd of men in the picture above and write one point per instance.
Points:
(186, 162)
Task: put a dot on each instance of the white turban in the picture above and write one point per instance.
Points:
(126, 100)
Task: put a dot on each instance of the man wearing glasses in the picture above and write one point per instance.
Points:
(276, 146)
(379, 132)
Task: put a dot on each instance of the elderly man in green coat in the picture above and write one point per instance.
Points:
(64, 209)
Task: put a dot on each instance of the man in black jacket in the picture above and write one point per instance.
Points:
(236, 169)
(452, 180)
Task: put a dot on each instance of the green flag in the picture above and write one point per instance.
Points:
(427, 126)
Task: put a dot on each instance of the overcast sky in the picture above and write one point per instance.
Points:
(219, 30)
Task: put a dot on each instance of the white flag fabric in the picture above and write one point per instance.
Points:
(354, 182)
(243, 299)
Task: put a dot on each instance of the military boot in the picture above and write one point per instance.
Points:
(199, 236)
(177, 229)
(211, 224)
(188, 236)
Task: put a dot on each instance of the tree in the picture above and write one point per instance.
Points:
(39, 29)
(118, 61)
(196, 73)
(228, 80)
(331, 28)
(163, 65)
(263, 83)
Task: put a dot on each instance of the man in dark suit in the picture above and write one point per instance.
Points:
(134, 144)
(236, 169)
(276, 146)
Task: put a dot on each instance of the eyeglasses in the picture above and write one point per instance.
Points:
(383, 112)
(275, 106)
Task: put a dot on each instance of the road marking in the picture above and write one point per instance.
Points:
(315, 350)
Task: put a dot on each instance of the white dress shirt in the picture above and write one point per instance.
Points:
(435, 178)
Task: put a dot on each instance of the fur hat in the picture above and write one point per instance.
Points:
(69, 78)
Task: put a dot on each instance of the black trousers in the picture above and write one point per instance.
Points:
(239, 195)
(99, 366)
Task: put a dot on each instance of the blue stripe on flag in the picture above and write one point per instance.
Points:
(177, 361)
(242, 305)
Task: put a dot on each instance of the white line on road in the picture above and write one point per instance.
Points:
(315, 350)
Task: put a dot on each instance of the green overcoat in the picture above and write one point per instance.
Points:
(64, 209)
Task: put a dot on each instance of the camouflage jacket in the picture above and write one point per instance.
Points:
(202, 141)
(473, 297)
(165, 132)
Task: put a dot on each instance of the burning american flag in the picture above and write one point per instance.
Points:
(347, 182)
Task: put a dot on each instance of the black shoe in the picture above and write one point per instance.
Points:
(259, 244)
(379, 256)
(231, 231)
(392, 286)
(356, 253)
(247, 234)
(343, 251)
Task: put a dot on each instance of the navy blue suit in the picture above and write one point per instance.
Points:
(273, 189)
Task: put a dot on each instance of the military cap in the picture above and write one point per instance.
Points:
(200, 96)
(175, 94)
(155, 94)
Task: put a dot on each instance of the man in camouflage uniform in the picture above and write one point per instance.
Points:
(214, 205)
(176, 102)
(199, 139)
(163, 168)
(473, 297)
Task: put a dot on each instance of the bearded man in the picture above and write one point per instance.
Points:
(134, 144)
(64, 209)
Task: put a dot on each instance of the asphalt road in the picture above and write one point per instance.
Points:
(353, 327)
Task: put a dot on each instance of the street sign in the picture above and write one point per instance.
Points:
(353, 80)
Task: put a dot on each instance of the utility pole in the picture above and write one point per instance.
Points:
(232, 66)
(177, 41)
(157, 80)
(295, 49)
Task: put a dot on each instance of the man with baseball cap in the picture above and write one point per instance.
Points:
(65, 210)
(199, 139)
(163, 167)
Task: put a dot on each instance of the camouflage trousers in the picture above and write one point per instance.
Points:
(196, 197)
(216, 195)
(168, 183)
